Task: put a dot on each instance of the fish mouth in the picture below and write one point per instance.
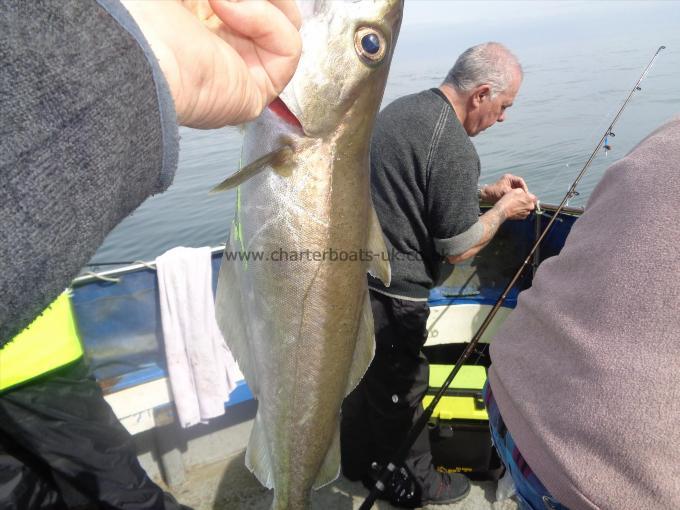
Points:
(279, 108)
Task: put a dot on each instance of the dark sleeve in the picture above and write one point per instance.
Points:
(453, 206)
(88, 132)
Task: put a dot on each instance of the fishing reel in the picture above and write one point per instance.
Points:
(402, 489)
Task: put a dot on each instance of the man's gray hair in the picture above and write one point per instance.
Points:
(488, 63)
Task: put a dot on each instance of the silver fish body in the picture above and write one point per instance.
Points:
(296, 315)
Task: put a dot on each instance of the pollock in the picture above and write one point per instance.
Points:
(292, 298)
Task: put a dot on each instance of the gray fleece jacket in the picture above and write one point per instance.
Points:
(88, 132)
(585, 369)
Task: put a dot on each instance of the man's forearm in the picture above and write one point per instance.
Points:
(491, 221)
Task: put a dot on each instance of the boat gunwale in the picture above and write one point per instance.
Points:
(130, 268)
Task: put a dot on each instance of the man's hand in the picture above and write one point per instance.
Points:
(224, 61)
(492, 193)
(516, 204)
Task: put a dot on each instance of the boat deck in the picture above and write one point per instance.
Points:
(228, 485)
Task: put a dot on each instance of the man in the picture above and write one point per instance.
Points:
(585, 394)
(91, 97)
(424, 178)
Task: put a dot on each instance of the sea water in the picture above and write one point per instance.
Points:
(580, 60)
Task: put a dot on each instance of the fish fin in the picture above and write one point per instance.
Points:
(364, 348)
(258, 460)
(379, 265)
(279, 160)
(330, 469)
(229, 312)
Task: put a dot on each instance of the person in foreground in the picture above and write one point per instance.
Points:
(92, 92)
(583, 394)
(424, 178)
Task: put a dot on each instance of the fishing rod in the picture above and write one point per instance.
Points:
(419, 425)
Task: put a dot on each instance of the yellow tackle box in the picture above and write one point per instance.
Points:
(459, 426)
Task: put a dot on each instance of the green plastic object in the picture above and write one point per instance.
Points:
(49, 342)
(470, 377)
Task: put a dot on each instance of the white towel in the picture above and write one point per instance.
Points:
(201, 368)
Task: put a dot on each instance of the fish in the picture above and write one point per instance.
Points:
(292, 296)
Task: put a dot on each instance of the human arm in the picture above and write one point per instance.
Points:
(90, 131)
(516, 204)
(512, 200)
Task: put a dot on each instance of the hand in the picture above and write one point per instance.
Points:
(492, 193)
(516, 204)
(224, 61)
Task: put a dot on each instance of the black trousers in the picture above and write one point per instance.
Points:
(62, 447)
(378, 414)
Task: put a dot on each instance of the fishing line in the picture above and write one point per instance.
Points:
(387, 472)
(560, 171)
(594, 131)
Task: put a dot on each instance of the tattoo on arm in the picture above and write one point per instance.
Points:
(491, 220)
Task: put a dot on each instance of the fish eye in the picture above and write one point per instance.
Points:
(370, 45)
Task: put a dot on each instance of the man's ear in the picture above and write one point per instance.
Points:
(481, 93)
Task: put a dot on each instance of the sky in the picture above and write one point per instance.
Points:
(432, 29)
(462, 13)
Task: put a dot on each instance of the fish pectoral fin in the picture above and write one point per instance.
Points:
(330, 469)
(258, 460)
(364, 349)
(279, 160)
(379, 264)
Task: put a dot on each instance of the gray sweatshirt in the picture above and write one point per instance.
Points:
(586, 369)
(424, 175)
(88, 132)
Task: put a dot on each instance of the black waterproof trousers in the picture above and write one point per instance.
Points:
(62, 447)
(378, 414)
